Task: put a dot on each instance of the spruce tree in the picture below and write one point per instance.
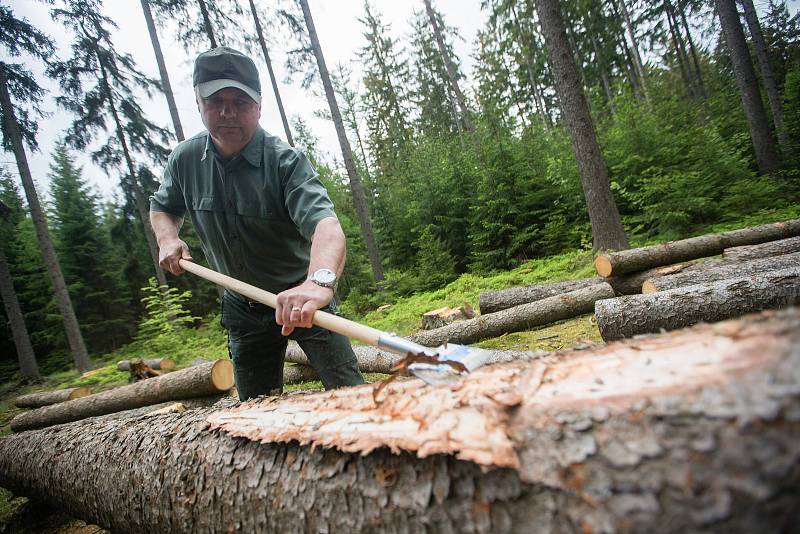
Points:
(86, 259)
(107, 110)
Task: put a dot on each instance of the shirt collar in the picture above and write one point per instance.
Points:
(252, 152)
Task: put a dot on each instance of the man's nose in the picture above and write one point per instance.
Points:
(227, 110)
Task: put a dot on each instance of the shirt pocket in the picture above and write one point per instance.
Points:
(206, 204)
(254, 209)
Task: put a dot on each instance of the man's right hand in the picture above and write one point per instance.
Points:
(169, 252)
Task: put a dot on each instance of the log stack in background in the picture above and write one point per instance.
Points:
(761, 271)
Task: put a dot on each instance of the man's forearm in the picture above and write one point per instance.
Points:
(165, 225)
(328, 247)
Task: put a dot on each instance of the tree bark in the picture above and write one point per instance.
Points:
(722, 272)
(28, 367)
(139, 197)
(196, 381)
(46, 398)
(275, 90)
(293, 374)
(760, 135)
(631, 284)
(690, 431)
(375, 360)
(639, 259)
(518, 318)
(73, 332)
(764, 250)
(207, 23)
(166, 86)
(449, 68)
(160, 364)
(356, 187)
(494, 301)
(669, 310)
(607, 231)
(767, 77)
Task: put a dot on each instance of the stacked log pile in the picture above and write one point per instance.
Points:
(695, 430)
(759, 269)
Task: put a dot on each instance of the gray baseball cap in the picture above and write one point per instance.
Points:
(223, 67)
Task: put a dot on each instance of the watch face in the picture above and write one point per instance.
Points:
(326, 276)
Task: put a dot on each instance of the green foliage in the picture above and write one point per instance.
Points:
(165, 316)
(435, 266)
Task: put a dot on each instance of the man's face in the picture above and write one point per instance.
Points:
(231, 118)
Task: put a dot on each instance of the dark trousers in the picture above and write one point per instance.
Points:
(257, 349)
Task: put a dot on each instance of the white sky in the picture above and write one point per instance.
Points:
(339, 32)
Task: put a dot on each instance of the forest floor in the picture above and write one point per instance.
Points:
(403, 316)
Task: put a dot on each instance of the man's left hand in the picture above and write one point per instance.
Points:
(296, 306)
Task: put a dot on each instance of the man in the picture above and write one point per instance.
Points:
(263, 217)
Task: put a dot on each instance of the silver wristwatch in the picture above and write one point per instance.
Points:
(324, 278)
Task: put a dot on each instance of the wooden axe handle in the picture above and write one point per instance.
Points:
(334, 323)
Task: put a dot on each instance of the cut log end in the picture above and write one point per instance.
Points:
(648, 287)
(603, 266)
(79, 392)
(222, 375)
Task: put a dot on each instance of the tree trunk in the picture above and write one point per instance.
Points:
(695, 61)
(637, 58)
(450, 68)
(46, 398)
(196, 381)
(680, 50)
(73, 332)
(160, 364)
(669, 310)
(767, 77)
(494, 301)
(601, 66)
(643, 436)
(356, 187)
(763, 143)
(207, 23)
(607, 231)
(166, 86)
(639, 259)
(764, 250)
(722, 272)
(139, 197)
(28, 367)
(518, 318)
(526, 53)
(272, 79)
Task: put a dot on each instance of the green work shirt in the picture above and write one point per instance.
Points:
(255, 213)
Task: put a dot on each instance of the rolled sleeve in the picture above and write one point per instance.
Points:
(307, 200)
(169, 196)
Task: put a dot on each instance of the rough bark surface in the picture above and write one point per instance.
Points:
(197, 381)
(607, 230)
(763, 143)
(668, 310)
(73, 332)
(631, 284)
(45, 398)
(161, 364)
(640, 259)
(375, 360)
(518, 318)
(293, 374)
(494, 301)
(764, 250)
(28, 366)
(722, 272)
(697, 430)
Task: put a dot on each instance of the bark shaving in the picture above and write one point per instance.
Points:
(684, 306)
(697, 430)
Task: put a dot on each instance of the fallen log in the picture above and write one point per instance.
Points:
(375, 360)
(628, 316)
(159, 364)
(631, 284)
(197, 381)
(294, 374)
(721, 272)
(640, 259)
(763, 250)
(518, 318)
(443, 316)
(502, 299)
(696, 430)
(46, 398)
